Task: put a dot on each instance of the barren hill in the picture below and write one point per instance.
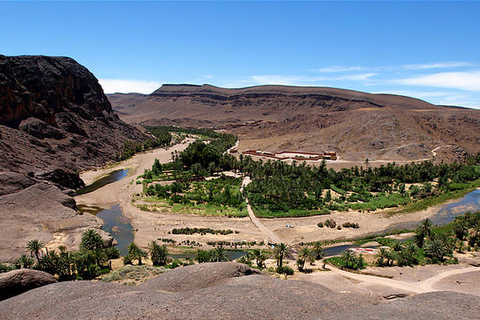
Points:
(274, 118)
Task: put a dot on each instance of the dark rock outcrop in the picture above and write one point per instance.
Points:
(66, 179)
(53, 113)
(18, 281)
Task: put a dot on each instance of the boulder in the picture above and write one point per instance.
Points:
(18, 281)
(199, 276)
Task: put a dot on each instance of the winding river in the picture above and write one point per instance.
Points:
(114, 222)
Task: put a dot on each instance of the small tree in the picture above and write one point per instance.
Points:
(136, 253)
(318, 250)
(435, 250)
(35, 246)
(24, 262)
(91, 240)
(306, 255)
(218, 254)
(281, 251)
(158, 254)
(424, 231)
(259, 257)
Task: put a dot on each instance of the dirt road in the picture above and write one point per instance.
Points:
(271, 236)
(423, 286)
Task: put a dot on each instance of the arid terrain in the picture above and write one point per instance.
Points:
(60, 124)
(356, 125)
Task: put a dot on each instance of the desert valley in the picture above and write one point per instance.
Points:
(333, 203)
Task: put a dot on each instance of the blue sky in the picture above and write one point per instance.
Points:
(429, 50)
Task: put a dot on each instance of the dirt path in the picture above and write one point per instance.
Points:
(413, 287)
(271, 236)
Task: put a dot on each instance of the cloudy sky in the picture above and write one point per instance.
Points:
(428, 50)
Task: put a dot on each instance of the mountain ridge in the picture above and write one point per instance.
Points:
(357, 125)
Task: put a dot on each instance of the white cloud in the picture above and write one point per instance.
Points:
(468, 80)
(127, 86)
(356, 77)
(304, 80)
(438, 65)
(341, 69)
(452, 98)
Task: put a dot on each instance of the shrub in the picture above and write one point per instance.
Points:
(330, 223)
(350, 225)
(285, 270)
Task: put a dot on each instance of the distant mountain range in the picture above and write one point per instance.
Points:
(356, 125)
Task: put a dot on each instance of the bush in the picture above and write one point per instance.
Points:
(330, 223)
(285, 270)
(350, 225)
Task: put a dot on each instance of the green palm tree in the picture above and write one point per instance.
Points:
(318, 250)
(258, 256)
(306, 255)
(435, 250)
(135, 253)
(35, 246)
(281, 251)
(349, 259)
(158, 253)
(382, 257)
(91, 240)
(424, 231)
(24, 262)
(219, 254)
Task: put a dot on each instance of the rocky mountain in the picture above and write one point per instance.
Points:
(356, 125)
(54, 121)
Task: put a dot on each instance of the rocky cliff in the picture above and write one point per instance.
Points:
(53, 113)
(54, 121)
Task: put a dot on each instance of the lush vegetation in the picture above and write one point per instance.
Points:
(87, 263)
(162, 138)
(279, 189)
(218, 196)
(191, 192)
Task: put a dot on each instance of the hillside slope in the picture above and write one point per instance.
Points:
(274, 118)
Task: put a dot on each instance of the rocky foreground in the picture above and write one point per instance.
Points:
(225, 291)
